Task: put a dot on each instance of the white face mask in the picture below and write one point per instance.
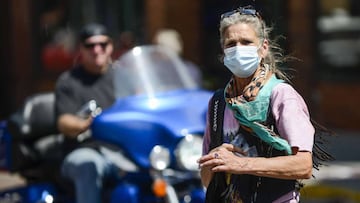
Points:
(242, 61)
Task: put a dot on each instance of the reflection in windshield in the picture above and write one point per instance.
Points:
(149, 70)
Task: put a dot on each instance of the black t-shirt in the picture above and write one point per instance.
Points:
(76, 87)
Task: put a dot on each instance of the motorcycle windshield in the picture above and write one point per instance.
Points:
(149, 70)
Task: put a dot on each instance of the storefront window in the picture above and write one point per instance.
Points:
(338, 26)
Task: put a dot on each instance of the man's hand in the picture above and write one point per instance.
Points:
(71, 125)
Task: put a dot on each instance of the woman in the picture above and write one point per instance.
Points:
(267, 136)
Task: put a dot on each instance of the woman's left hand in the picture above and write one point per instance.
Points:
(223, 158)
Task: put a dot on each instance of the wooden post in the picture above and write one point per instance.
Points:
(17, 52)
(301, 43)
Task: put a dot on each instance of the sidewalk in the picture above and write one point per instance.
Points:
(10, 180)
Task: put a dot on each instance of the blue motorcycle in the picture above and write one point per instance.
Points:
(153, 132)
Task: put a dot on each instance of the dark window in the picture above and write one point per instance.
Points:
(338, 43)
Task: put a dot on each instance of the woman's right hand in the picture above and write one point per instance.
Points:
(211, 160)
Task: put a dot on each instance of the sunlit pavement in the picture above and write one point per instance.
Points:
(10, 180)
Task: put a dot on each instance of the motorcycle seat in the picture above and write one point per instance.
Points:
(35, 138)
(35, 119)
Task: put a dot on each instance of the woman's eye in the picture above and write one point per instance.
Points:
(230, 44)
(245, 42)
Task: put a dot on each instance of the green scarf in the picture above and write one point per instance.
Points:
(252, 113)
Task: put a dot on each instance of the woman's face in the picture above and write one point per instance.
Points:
(242, 34)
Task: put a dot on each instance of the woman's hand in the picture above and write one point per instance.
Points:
(223, 158)
(219, 159)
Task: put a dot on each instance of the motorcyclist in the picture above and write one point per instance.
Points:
(90, 79)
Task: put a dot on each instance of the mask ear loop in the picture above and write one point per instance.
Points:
(262, 63)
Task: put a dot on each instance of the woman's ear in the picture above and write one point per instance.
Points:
(264, 49)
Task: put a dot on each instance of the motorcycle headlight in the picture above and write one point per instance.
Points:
(159, 157)
(188, 151)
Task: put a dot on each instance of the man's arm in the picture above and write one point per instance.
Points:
(71, 125)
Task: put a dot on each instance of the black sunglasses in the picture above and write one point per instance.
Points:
(247, 10)
(92, 45)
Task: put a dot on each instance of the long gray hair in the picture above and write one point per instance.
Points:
(275, 54)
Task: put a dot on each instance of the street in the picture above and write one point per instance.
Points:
(10, 180)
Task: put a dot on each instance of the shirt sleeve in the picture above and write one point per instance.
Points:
(66, 101)
(292, 117)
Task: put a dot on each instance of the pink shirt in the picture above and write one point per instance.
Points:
(291, 116)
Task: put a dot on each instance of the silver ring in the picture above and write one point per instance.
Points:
(216, 156)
